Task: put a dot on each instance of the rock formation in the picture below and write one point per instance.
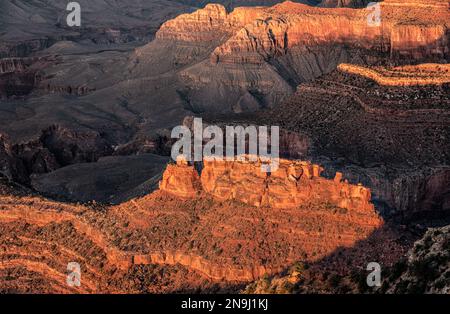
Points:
(392, 138)
(8, 65)
(258, 34)
(223, 241)
(345, 3)
(219, 223)
(294, 183)
(181, 179)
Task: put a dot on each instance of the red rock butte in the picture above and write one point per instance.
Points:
(294, 183)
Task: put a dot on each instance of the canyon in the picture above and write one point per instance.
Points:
(85, 121)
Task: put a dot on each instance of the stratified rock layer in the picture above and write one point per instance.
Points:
(258, 34)
(294, 183)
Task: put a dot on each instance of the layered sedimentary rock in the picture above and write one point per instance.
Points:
(423, 74)
(208, 23)
(294, 183)
(181, 179)
(222, 241)
(345, 3)
(262, 33)
(415, 41)
(53, 148)
(393, 138)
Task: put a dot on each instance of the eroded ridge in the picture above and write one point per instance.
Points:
(412, 75)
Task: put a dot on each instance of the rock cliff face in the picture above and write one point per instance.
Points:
(393, 138)
(56, 147)
(423, 74)
(258, 34)
(345, 3)
(181, 179)
(10, 166)
(210, 23)
(253, 58)
(419, 41)
(281, 30)
(8, 65)
(292, 184)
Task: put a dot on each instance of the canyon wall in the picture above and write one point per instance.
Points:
(8, 65)
(252, 35)
(208, 23)
(411, 41)
(294, 183)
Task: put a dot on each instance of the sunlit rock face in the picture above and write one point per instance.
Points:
(294, 183)
(181, 179)
(258, 34)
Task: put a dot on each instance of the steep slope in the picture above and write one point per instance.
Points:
(225, 241)
(393, 138)
(257, 55)
(425, 268)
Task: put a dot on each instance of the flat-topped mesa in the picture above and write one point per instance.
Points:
(294, 183)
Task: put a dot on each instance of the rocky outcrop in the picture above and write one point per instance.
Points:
(294, 183)
(20, 76)
(253, 58)
(24, 48)
(411, 41)
(392, 139)
(270, 37)
(430, 3)
(181, 179)
(71, 147)
(10, 166)
(223, 241)
(210, 23)
(71, 90)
